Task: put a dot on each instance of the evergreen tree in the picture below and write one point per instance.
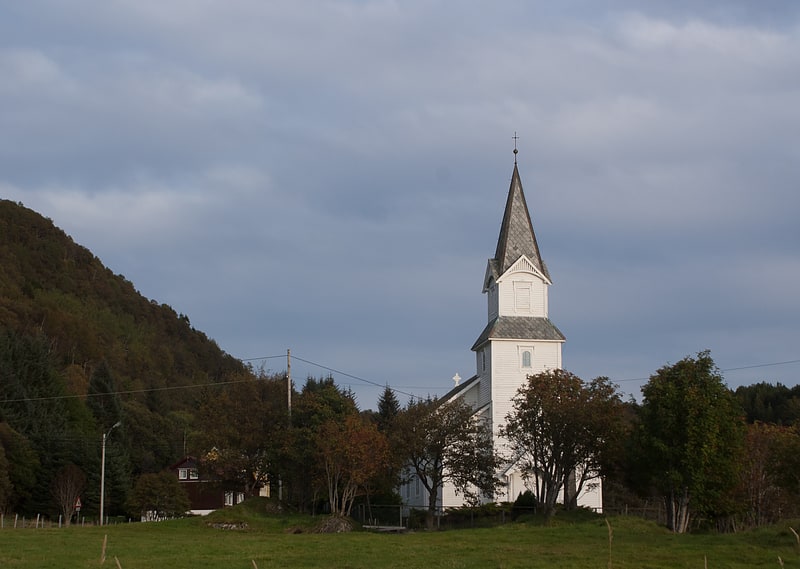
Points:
(103, 399)
(388, 409)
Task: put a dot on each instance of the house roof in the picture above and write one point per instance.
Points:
(516, 233)
(519, 328)
(185, 462)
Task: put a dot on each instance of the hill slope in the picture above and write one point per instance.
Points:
(81, 349)
(52, 285)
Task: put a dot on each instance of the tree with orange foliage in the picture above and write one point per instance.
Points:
(353, 453)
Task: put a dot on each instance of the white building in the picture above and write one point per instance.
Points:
(519, 340)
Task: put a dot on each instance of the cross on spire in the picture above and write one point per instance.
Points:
(515, 137)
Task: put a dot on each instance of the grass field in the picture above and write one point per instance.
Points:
(271, 541)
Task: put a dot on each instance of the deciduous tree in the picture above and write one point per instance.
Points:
(690, 439)
(303, 474)
(158, 496)
(354, 453)
(761, 469)
(67, 486)
(445, 441)
(242, 425)
(560, 431)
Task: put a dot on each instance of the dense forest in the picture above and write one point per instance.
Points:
(84, 358)
(80, 350)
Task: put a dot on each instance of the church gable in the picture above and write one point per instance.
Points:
(521, 293)
(524, 265)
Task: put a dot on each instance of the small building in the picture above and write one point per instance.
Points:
(205, 494)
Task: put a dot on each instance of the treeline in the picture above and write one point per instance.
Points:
(707, 456)
(770, 403)
(84, 357)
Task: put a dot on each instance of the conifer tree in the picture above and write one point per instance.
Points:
(388, 408)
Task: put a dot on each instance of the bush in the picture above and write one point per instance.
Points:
(525, 504)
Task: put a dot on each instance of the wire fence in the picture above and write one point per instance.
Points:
(382, 517)
(40, 521)
(395, 517)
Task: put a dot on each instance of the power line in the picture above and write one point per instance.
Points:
(330, 369)
(724, 370)
(762, 365)
(125, 392)
(194, 386)
(262, 358)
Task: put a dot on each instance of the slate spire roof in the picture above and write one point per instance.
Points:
(516, 233)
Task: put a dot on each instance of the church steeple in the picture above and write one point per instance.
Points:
(517, 237)
(518, 341)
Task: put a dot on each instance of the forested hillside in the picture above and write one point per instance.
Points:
(80, 350)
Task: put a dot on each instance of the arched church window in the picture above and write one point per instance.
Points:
(526, 358)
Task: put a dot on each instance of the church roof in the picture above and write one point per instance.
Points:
(459, 389)
(519, 328)
(516, 233)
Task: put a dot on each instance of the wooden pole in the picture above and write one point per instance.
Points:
(289, 384)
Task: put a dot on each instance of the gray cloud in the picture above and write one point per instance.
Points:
(331, 178)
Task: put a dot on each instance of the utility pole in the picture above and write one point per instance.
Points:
(288, 407)
(289, 384)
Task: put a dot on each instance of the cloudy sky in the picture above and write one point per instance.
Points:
(329, 177)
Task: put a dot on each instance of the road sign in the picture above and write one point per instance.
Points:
(78, 504)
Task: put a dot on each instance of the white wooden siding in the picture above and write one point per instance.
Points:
(471, 396)
(508, 375)
(510, 293)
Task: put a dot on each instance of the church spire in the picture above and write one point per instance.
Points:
(516, 233)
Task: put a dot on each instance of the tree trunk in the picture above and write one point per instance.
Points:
(432, 495)
(570, 491)
(678, 514)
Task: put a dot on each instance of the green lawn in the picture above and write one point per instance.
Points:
(271, 543)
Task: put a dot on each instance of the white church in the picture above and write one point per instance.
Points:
(519, 340)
